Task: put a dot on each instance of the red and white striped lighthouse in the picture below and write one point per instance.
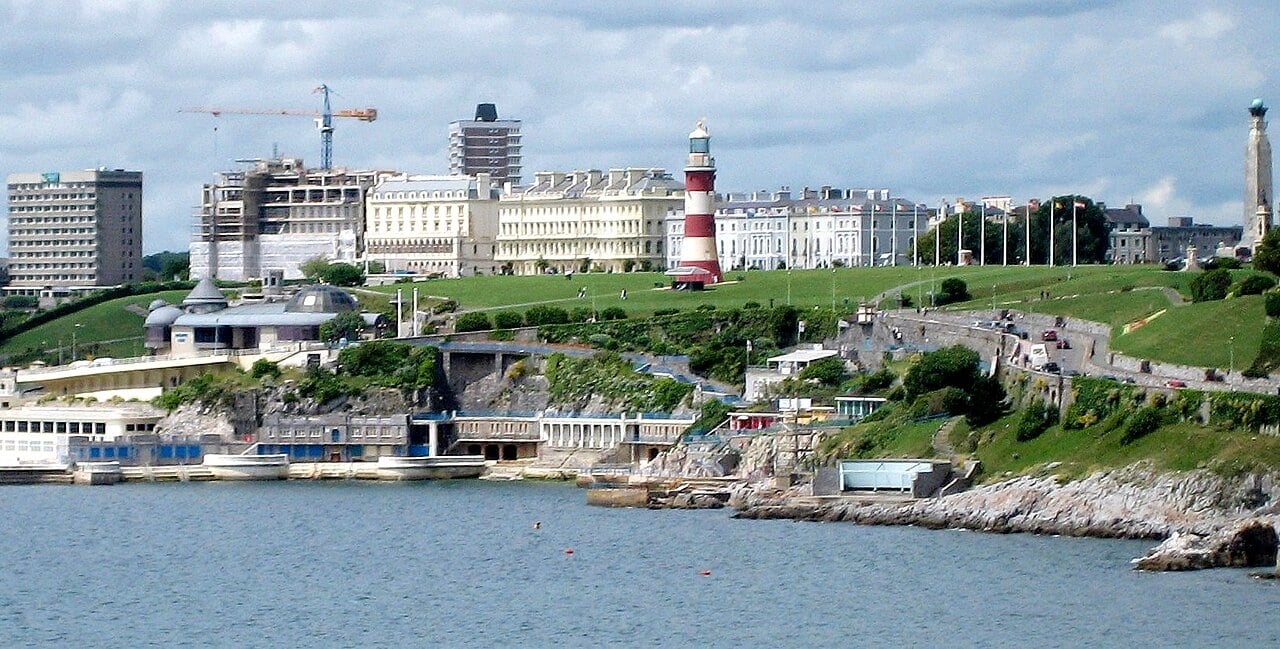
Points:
(698, 250)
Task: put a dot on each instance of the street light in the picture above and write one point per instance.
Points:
(1231, 354)
(74, 329)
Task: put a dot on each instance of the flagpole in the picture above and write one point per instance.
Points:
(982, 235)
(937, 235)
(894, 234)
(915, 235)
(1075, 233)
(1027, 222)
(1004, 247)
(1053, 204)
(959, 235)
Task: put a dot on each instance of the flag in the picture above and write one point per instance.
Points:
(748, 346)
(1079, 205)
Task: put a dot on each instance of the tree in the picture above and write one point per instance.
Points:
(1092, 234)
(1266, 257)
(342, 274)
(827, 371)
(346, 325)
(954, 366)
(313, 268)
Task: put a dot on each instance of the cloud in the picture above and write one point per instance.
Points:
(948, 98)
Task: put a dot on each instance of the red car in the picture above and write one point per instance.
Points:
(1049, 334)
(1175, 383)
(1063, 344)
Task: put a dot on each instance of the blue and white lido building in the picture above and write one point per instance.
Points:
(56, 434)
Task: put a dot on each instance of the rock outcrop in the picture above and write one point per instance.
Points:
(1251, 543)
(1200, 513)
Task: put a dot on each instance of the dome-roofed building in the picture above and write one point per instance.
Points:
(205, 323)
(204, 298)
(321, 298)
(159, 324)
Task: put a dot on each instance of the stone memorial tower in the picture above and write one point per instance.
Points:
(1257, 179)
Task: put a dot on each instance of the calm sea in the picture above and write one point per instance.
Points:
(459, 564)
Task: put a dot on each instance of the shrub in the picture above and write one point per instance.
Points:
(508, 319)
(662, 312)
(748, 305)
(1255, 285)
(1141, 423)
(264, 367)
(953, 289)
(473, 321)
(877, 381)
(1272, 301)
(1229, 263)
(1036, 419)
(1210, 285)
(613, 313)
(545, 315)
(21, 301)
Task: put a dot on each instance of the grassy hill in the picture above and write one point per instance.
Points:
(1111, 294)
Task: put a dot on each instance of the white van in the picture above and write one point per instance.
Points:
(1039, 356)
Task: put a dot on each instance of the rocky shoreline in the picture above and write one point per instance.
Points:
(1204, 520)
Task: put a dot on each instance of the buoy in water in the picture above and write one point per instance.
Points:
(568, 550)
(537, 525)
(705, 573)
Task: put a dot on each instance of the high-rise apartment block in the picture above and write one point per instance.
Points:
(486, 145)
(276, 216)
(74, 230)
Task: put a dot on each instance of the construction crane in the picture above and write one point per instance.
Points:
(324, 119)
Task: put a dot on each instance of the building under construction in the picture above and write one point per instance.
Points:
(276, 216)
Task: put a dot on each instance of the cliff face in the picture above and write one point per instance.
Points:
(246, 413)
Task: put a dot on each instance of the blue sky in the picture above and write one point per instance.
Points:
(1120, 101)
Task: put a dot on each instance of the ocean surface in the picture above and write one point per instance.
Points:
(460, 564)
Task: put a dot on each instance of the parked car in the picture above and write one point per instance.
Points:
(1049, 335)
(1063, 343)
(1052, 368)
(1175, 383)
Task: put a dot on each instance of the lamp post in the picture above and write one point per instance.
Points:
(1231, 355)
(993, 297)
(75, 328)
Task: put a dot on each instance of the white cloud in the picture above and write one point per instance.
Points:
(933, 99)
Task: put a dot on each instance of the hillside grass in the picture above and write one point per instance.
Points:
(109, 321)
(1180, 446)
(1199, 334)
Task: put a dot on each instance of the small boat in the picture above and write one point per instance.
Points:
(440, 467)
(273, 466)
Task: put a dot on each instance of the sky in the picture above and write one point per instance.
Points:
(1120, 101)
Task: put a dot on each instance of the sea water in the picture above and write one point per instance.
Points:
(478, 564)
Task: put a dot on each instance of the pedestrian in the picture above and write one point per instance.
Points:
(624, 294)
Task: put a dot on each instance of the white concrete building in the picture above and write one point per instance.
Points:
(820, 229)
(608, 222)
(435, 225)
(276, 216)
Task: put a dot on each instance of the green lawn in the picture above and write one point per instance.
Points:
(107, 321)
(1199, 334)
(1176, 447)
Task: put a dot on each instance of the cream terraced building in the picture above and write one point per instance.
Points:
(607, 222)
(436, 225)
